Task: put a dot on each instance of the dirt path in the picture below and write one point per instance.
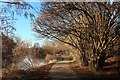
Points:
(62, 70)
(0, 73)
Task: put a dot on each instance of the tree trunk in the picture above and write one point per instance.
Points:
(84, 61)
(101, 62)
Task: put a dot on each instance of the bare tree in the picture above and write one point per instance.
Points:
(20, 51)
(89, 27)
(7, 56)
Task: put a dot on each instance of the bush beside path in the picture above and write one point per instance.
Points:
(38, 73)
(85, 74)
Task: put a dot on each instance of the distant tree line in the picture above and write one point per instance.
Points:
(15, 51)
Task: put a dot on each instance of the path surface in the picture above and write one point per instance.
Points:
(0, 73)
(61, 70)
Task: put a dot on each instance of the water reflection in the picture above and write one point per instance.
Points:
(28, 62)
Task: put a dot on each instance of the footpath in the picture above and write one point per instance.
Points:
(62, 71)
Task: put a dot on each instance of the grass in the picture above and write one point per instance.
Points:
(85, 74)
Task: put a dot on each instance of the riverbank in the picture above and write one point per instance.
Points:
(29, 74)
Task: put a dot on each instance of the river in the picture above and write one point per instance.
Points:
(28, 62)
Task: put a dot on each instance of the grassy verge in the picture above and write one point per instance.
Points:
(85, 74)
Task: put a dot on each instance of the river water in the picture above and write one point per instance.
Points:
(30, 62)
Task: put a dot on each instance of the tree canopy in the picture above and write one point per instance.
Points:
(9, 10)
(89, 27)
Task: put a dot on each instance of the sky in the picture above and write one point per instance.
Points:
(24, 30)
(23, 27)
